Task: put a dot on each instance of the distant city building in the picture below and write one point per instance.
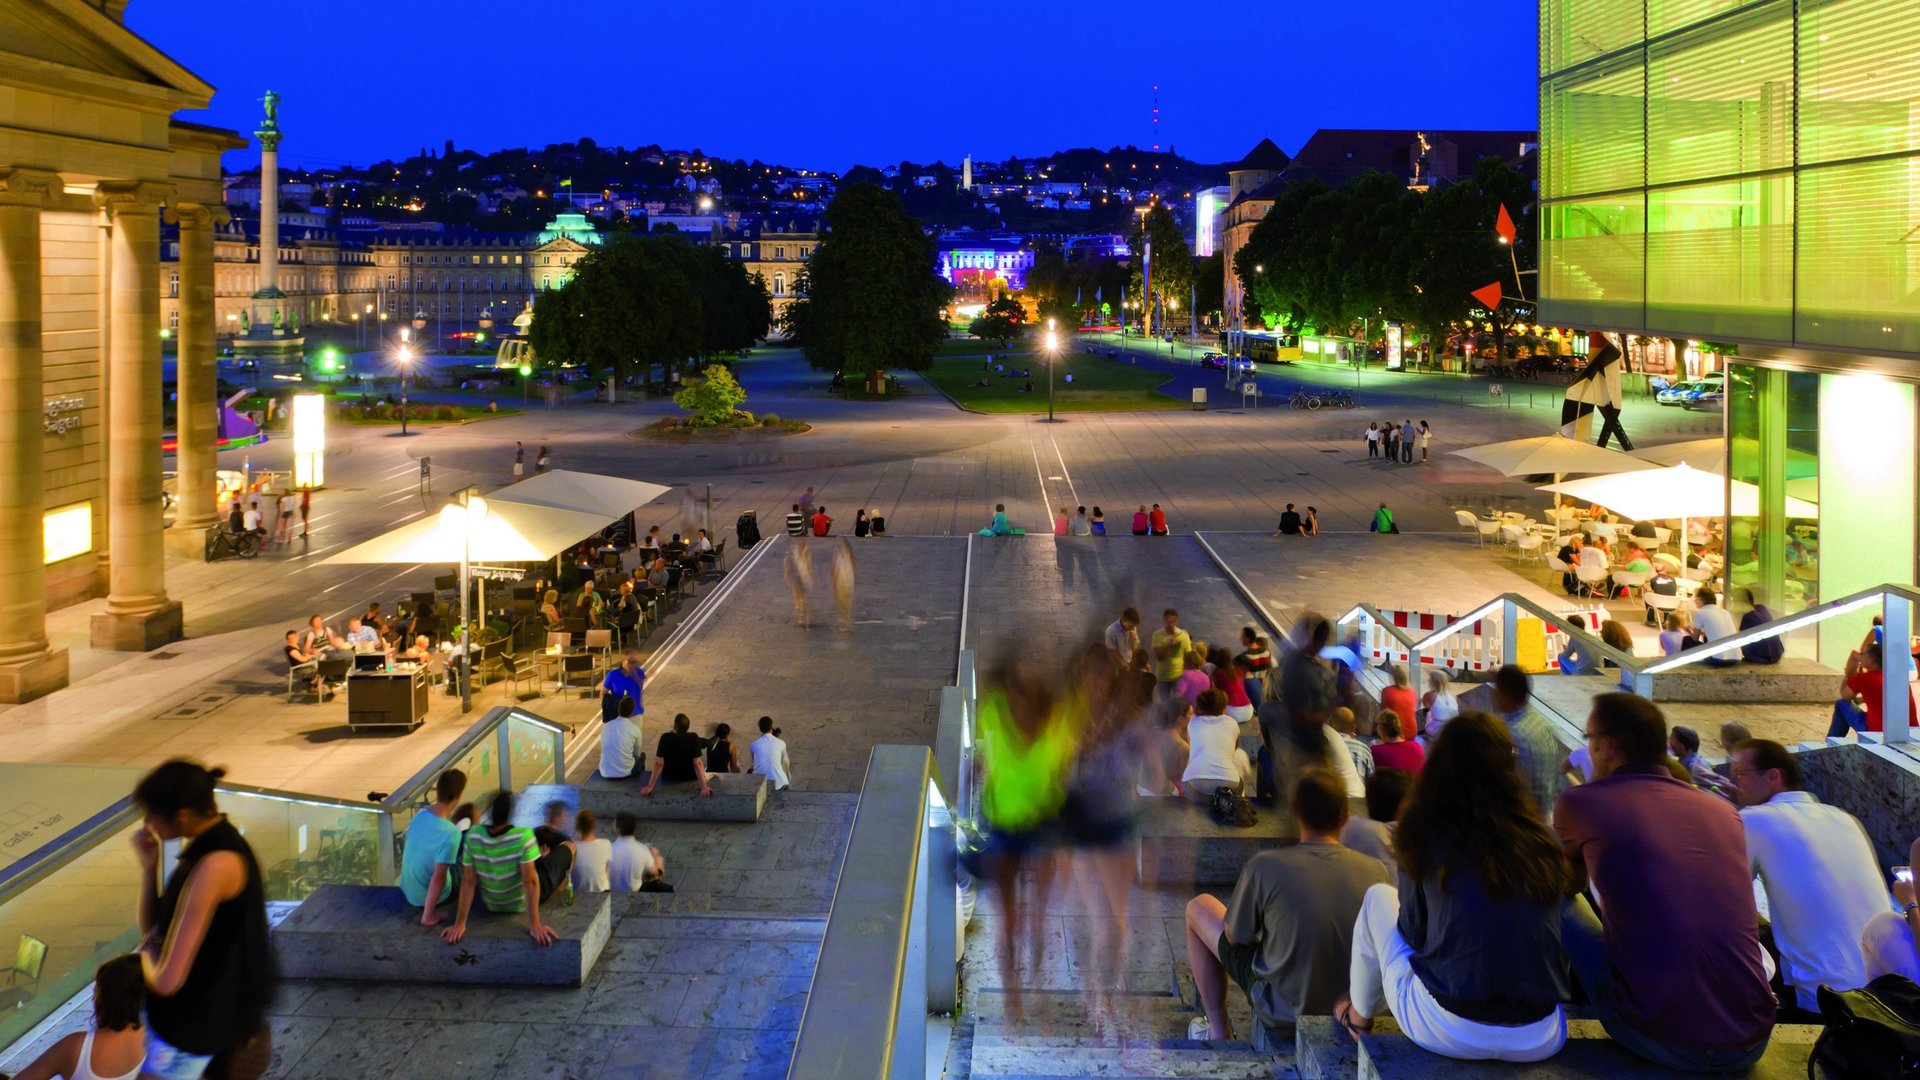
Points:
(972, 264)
(1208, 204)
(1103, 245)
(777, 252)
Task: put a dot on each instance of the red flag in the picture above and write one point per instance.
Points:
(1504, 225)
(1488, 295)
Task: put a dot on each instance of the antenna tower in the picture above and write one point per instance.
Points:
(1156, 119)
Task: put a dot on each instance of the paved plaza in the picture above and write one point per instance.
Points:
(713, 983)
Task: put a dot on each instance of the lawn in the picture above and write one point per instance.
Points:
(1099, 384)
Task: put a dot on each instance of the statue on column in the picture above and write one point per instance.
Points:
(272, 101)
(277, 325)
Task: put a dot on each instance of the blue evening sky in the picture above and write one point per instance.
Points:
(831, 83)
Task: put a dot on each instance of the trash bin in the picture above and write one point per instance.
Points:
(1200, 398)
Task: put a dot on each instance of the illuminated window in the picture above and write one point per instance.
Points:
(67, 532)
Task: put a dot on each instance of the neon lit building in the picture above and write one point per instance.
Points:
(1750, 173)
(1207, 206)
(973, 264)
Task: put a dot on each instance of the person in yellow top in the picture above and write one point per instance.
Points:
(1170, 647)
(1026, 744)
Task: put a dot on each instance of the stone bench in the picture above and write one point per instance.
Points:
(1791, 681)
(370, 932)
(1180, 843)
(1324, 1052)
(736, 797)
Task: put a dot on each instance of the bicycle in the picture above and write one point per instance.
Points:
(1341, 399)
(222, 544)
(1303, 400)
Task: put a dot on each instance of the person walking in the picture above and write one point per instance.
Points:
(519, 461)
(1373, 438)
(207, 958)
(284, 530)
(306, 510)
(806, 502)
(843, 584)
(540, 462)
(799, 575)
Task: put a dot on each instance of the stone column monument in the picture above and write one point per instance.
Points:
(270, 334)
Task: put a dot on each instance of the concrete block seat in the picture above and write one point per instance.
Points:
(1793, 680)
(1180, 843)
(369, 932)
(736, 797)
(1588, 1055)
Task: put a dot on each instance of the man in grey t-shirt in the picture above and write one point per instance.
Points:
(1286, 937)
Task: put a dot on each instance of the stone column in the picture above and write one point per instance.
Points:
(139, 616)
(28, 668)
(198, 407)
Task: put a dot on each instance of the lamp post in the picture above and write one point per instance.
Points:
(466, 510)
(1172, 305)
(1053, 354)
(405, 359)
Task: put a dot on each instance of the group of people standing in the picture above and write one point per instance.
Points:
(1396, 442)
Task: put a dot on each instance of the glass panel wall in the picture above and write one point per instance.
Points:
(1593, 128)
(67, 923)
(1579, 30)
(302, 844)
(1668, 15)
(1594, 259)
(1720, 101)
(1720, 259)
(1859, 78)
(1859, 256)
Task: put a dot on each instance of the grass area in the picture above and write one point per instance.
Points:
(1099, 384)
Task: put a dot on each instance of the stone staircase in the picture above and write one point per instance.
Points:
(1057, 1043)
(1324, 1052)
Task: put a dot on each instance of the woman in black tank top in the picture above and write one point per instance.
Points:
(720, 753)
(212, 999)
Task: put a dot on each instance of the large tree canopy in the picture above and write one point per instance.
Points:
(1001, 322)
(870, 296)
(640, 301)
(1172, 267)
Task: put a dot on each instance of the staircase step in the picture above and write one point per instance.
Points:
(1324, 1052)
(1003, 1057)
(1588, 1055)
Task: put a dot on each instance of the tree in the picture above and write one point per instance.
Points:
(1455, 250)
(1209, 283)
(712, 400)
(1065, 315)
(871, 297)
(628, 307)
(1172, 267)
(1003, 321)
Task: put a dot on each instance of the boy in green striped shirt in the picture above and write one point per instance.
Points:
(497, 862)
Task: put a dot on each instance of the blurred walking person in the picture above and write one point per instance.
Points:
(1025, 750)
(1099, 819)
(843, 584)
(799, 573)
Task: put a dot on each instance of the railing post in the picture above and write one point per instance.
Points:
(559, 757)
(1642, 682)
(503, 757)
(387, 872)
(1896, 619)
(1509, 633)
(942, 902)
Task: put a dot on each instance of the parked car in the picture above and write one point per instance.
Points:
(1213, 360)
(1710, 396)
(1680, 393)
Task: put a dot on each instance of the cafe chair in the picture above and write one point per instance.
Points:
(21, 981)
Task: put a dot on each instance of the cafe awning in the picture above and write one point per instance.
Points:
(530, 521)
(1551, 455)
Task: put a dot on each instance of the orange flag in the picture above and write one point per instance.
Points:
(1504, 225)
(1488, 295)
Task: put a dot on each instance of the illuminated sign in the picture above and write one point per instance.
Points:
(1394, 345)
(309, 440)
(1205, 206)
(67, 532)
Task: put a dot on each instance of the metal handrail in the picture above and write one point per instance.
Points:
(866, 1011)
(49, 858)
(1637, 672)
(413, 792)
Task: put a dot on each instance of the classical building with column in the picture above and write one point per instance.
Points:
(91, 159)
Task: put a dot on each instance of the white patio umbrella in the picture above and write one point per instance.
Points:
(586, 492)
(1707, 454)
(1554, 455)
(1679, 491)
(508, 532)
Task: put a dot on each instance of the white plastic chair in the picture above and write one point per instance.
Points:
(1632, 579)
(1468, 522)
(1487, 528)
(1593, 577)
(1529, 544)
(1661, 603)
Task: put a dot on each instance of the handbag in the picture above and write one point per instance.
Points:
(1229, 807)
(1871, 1032)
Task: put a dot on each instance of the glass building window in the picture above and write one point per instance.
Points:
(1720, 259)
(1859, 261)
(1594, 260)
(1593, 129)
(1859, 80)
(1720, 100)
(1579, 30)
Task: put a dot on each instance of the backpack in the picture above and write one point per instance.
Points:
(1871, 1032)
(1229, 807)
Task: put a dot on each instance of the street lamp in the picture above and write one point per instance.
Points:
(463, 514)
(405, 358)
(1053, 353)
(1173, 305)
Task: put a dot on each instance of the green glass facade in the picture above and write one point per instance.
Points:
(1749, 171)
